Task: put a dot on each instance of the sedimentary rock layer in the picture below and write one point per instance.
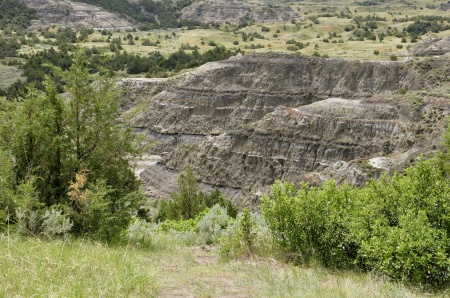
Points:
(247, 121)
(74, 14)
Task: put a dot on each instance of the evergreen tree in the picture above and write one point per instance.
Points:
(189, 199)
(54, 139)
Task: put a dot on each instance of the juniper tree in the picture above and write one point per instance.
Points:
(54, 138)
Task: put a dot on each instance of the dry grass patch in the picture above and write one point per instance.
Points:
(9, 75)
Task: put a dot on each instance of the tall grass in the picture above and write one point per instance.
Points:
(30, 267)
(81, 268)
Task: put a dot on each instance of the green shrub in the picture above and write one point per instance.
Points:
(349, 28)
(160, 235)
(402, 91)
(212, 225)
(189, 200)
(64, 138)
(312, 221)
(413, 251)
(398, 226)
(216, 197)
(248, 234)
(140, 232)
(55, 223)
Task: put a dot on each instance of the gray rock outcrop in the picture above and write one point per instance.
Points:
(65, 13)
(232, 11)
(245, 122)
(431, 47)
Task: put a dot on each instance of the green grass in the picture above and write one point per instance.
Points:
(71, 269)
(301, 32)
(80, 268)
(9, 75)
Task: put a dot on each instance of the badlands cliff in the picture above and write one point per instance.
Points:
(245, 122)
(232, 11)
(65, 13)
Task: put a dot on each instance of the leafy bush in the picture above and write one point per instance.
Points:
(311, 221)
(398, 226)
(413, 251)
(182, 225)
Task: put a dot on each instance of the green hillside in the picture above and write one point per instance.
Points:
(15, 15)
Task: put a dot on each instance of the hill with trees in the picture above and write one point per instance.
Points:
(15, 15)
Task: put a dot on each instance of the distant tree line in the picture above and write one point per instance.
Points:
(424, 24)
(8, 47)
(42, 64)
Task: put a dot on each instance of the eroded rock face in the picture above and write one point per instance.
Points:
(65, 13)
(222, 11)
(227, 95)
(245, 122)
(431, 47)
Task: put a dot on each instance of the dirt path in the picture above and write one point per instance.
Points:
(201, 273)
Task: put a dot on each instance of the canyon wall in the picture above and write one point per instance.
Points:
(247, 121)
